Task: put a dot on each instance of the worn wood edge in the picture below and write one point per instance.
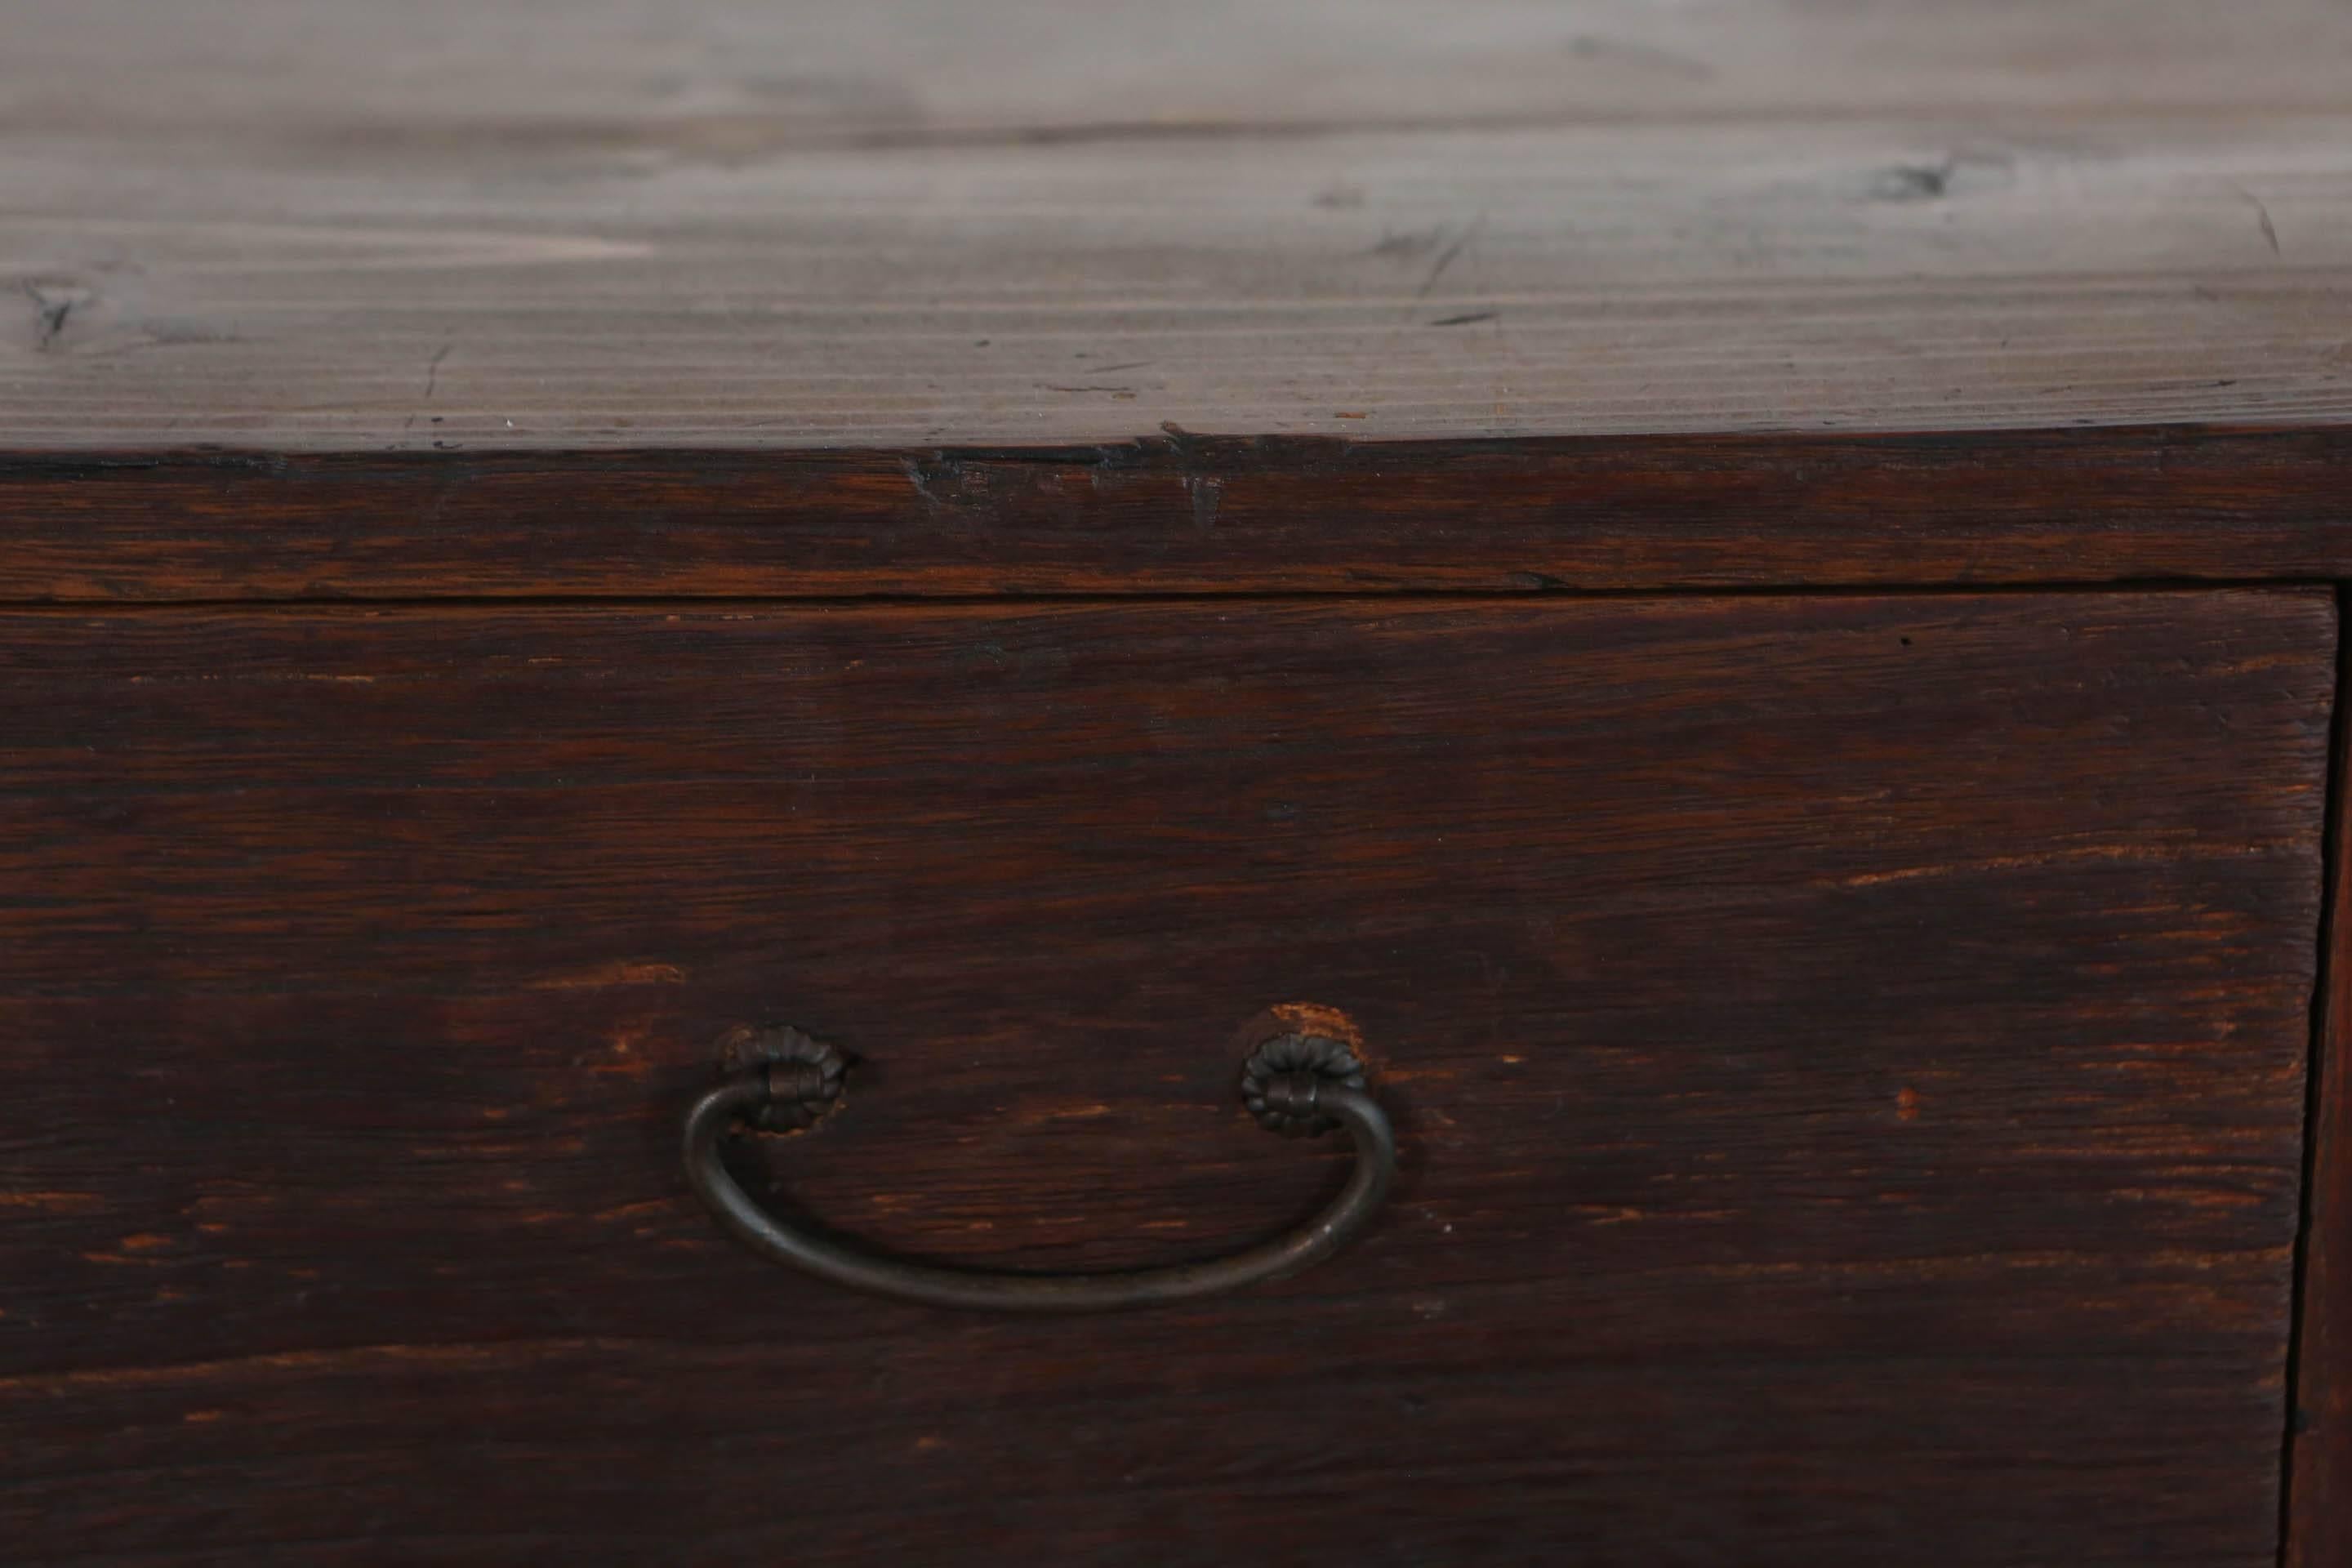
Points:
(1188, 513)
(2317, 1506)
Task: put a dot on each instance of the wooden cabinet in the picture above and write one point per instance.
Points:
(1744, 606)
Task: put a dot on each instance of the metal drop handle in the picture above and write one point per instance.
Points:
(1297, 1085)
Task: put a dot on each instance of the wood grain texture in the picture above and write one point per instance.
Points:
(1850, 1054)
(2319, 1454)
(1189, 514)
(716, 75)
(318, 225)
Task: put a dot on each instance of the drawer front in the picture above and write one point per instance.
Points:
(1847, 1055)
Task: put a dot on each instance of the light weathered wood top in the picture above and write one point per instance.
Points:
(316, 225)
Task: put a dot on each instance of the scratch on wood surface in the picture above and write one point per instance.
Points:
(624, 973)
(1446, 259)
(1078, 1112)
(2138, 852)
(2262, 217)
(1965, 1265)
(354, 1357)
(1914, 181)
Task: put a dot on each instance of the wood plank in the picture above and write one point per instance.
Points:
(1191, 515)
(711, 76)
(2320, 1512)
(306, 227)
(1850, 1053)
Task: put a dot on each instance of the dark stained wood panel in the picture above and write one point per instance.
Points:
(2319, 1519)
(319, 224)
(1850, 1054)
(1182, 513)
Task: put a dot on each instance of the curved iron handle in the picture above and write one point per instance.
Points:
(1299, 1084)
